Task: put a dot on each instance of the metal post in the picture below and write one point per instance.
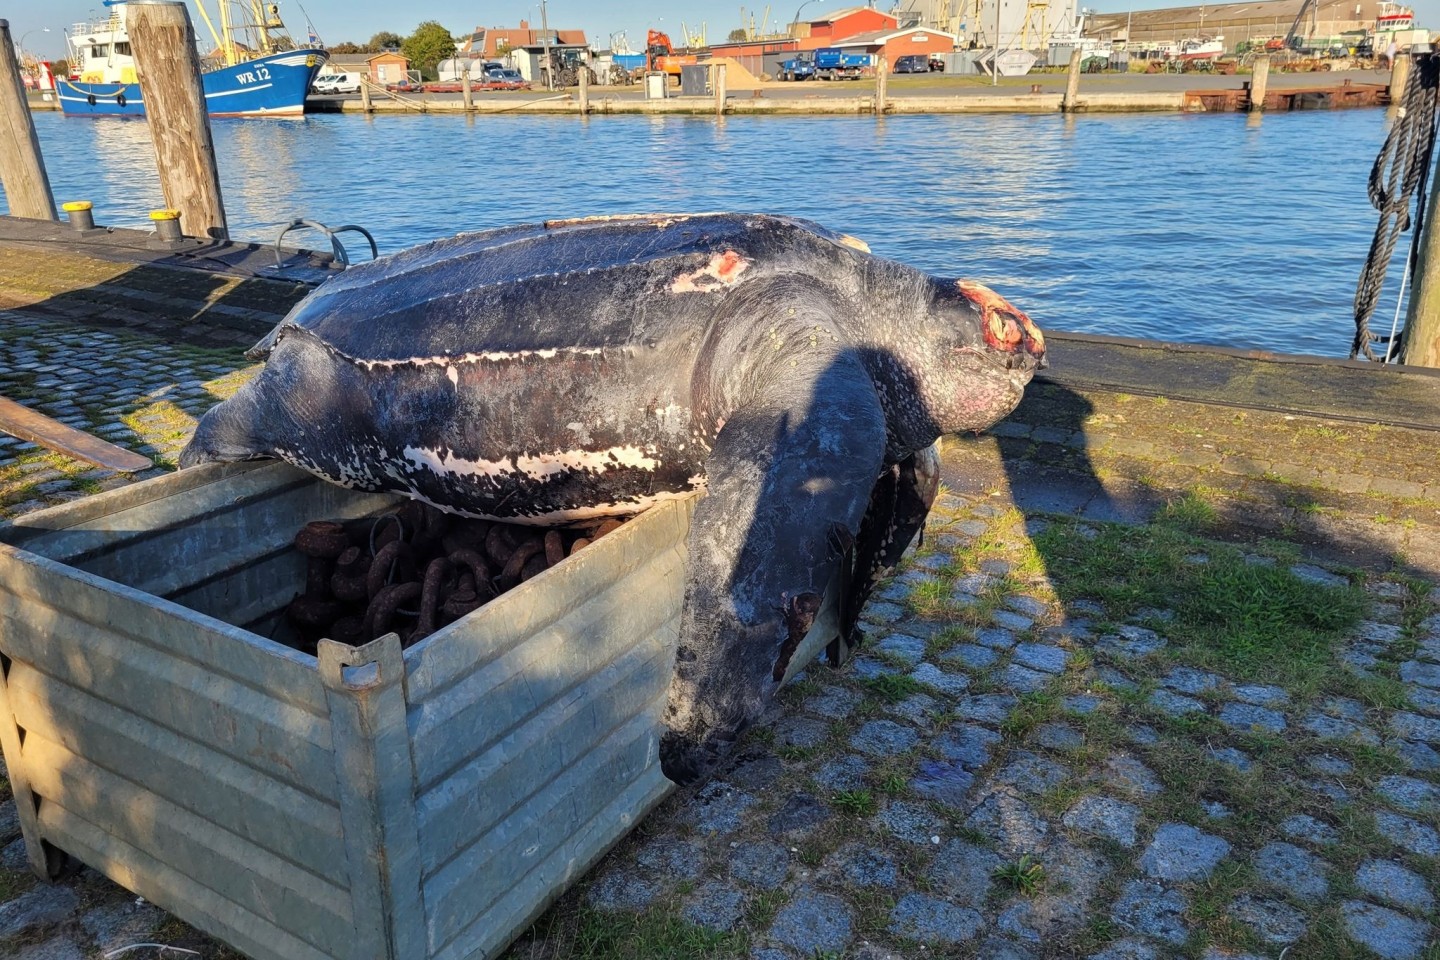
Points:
(1072, 85)
(584, 90)
(1259, 80)
(995, 63)
(365, 691)
(465, 90)
(168, 68)
(545, 46)
(22, 169)
(719, 84)
(882, 77)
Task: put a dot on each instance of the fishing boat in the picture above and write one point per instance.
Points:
(1201, 48)
(254, 70)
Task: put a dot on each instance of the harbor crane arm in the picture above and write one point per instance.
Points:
(1291, 42)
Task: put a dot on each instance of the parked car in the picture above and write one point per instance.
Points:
(512, 79)
(937, 64)
(337, 83)
(912, 63)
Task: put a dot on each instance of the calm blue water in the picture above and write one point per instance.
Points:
(1195, 228)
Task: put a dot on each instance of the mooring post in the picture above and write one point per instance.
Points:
(584, 90)
(1259, 80)
(365, 95)
(464, 89)
(1422, 317)
(882, 73)
(719, 84)
(168, 68)
(1072, 83)
(22, 170)
(1399, 76)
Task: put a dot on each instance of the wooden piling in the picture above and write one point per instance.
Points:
(1072, 84)
(365, 95)
(584, 90)
(22, 170)
(167, 66)
(465, 90)
(1399, 76)
(882, 73)
(1259, 81)
(718, 83)
(1422, 317)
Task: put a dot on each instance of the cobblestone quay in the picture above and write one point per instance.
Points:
(1163, 680)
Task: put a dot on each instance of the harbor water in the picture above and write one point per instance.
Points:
(1198, 228)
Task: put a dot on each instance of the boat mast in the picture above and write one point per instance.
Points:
(209, 26)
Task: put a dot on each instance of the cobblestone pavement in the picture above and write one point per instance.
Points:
(140, 393)
(1065, 738)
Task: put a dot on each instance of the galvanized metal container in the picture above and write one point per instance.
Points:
(371, 803)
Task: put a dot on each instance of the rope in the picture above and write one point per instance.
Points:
(1401, 172)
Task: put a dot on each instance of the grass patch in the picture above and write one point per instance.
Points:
(1025, 875)
(652, 934)
(859, 803)
(893, 687)
(1248, 620)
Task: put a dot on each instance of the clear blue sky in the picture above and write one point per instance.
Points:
(357, 20)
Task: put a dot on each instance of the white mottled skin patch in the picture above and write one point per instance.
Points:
(541, 467)
(452, 361)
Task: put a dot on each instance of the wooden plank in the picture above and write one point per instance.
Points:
(20, 421)
(285, 822)
(550, 664)
(554, 819)
(34, 590)
(433, 664)
(190, 699)
(172, 890)
(500, 781)
(1302, 385)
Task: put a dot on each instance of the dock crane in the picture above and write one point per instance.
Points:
(1292, 40)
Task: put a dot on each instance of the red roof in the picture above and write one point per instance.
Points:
(491, 38)
(848, 11)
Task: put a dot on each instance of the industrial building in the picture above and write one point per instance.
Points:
(1237, 23)
(1022, 24)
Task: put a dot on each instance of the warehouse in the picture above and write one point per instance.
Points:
(1237, 23)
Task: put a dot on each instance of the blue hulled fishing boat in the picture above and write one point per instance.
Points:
(255, 70)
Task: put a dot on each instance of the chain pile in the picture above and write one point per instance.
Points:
(414, 571)
(1401, 173)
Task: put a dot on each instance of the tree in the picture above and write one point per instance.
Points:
(427, 46)
(60, 68)
(738, 35)
(347, 47)
(384, 40)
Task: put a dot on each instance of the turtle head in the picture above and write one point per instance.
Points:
(227, 433)
(726, 678)
(975, 354)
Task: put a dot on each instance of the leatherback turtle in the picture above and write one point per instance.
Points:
(580, 369)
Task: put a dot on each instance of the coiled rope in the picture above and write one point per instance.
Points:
(1401, 173)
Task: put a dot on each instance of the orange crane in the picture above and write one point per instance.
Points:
(660, 55)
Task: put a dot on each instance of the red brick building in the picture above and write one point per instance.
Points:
(824, 30)
(893, 44)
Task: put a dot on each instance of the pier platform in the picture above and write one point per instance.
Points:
(1162, 680)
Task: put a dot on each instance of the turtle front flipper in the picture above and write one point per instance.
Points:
(790, 471)
(899, 504)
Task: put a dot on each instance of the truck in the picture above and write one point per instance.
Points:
(826, 63)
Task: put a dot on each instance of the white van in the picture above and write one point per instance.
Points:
(337, 83)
